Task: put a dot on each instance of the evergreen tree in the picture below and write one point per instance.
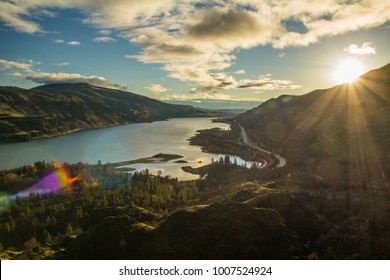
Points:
(46, 236)
(69, 229)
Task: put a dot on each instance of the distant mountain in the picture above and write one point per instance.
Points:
(61, 108)
(341, 134)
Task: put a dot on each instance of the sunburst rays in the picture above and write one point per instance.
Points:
(337, 132)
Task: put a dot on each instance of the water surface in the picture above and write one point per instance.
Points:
(120, 143)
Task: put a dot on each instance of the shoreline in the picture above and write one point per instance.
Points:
(47, 149)
(45, 136)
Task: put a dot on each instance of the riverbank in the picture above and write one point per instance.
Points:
(228, 142)
(118, 144)
(38, 135)
(58, 109)
(33, 135)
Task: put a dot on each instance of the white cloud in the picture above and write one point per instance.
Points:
(105, 32)
(16, 17)
(283, 54)
(6, 64)
(62, 64)
(156, 88)
(217, 97)
(266, 83)
(34, 62)
(240, 72)
(74, 43)
(104, 39)
(328, 18)
(367, 48)
(55, 78)
(198, 96)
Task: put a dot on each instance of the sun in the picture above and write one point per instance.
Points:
(348, 70)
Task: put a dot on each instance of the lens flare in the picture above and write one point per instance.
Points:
(50, 183)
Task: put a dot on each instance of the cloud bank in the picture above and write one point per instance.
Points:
(266, 83)
(195, 41)
(6, 64)
(55, 78)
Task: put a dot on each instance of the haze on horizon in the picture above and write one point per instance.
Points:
(223, 51)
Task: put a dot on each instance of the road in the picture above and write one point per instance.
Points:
(250, 143)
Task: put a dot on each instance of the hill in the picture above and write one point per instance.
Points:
(154, 217)
(227, 230)
(57, 109)
(341, 134)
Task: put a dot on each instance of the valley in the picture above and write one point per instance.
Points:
(59, 109)
(317, 187)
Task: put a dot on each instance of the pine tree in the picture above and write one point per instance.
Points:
(46, 236)
(69, 229)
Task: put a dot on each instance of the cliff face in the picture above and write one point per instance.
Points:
(61, 108)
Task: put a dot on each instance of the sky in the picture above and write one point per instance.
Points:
(202, 51)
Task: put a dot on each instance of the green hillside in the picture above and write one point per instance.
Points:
(57, 109)
(341, 134)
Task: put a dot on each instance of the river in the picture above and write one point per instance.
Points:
(120, 143)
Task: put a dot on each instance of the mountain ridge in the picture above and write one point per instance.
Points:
(56, 109)
(340, 134)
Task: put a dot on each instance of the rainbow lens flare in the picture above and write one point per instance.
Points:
(50, 183)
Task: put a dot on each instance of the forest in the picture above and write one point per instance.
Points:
(235, 211)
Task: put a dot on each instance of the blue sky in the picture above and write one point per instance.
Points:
(237, 50)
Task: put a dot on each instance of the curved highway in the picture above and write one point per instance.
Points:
(281, 160)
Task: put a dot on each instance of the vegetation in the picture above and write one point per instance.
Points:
(341, 134)
(330, 201)
(211, 141)
(47, 220)
(57, 109)
(233, 212)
